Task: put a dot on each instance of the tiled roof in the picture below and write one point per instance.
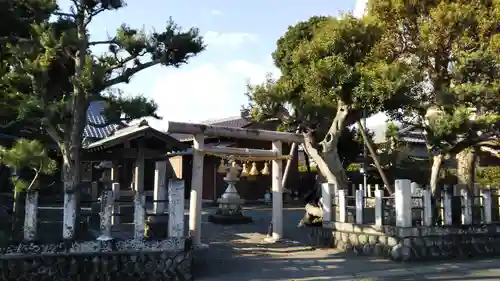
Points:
(142, 129)
(234, 122)
(95, 115)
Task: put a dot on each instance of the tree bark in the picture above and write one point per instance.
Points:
(466, 168)
(328, 160)
(437, 160)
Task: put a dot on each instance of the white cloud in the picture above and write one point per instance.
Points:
(207, 91)
(216, 12)
(359, 8)
(228, 40)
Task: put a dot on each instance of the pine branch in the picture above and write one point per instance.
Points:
(129, 72)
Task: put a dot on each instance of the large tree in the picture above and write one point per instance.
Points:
(50, 74)
(456, 47)
(330, 75)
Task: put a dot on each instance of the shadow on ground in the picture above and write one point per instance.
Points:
(240, 253)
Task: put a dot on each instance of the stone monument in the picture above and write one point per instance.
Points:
(229, 210)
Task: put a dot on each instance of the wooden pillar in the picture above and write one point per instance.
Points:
(139, 172)
(196, 190)
(159, 187)
(115, 188)
(277, 191)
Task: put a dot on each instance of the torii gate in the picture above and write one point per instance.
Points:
(199, 131)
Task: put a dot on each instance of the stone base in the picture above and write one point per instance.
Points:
(236, 219)
(127, 260)
(411, 243)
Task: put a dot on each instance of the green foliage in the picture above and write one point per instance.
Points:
(27, 154)
(49, 73)
(326, 60)
(488, 177)
(453, 47)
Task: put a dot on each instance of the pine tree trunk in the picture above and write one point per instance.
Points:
(436, 168)
(466, 168)
(71, 182)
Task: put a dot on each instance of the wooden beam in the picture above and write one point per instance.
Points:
(241, 151)
(219, 131)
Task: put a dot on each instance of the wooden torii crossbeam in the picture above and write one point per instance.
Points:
(201, 130)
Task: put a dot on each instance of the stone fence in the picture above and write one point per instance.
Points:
(137, 258)
(411, 224)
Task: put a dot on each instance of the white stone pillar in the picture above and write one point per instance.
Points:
(359, 206)
(176, 208)
(486, 194)
(326, 194)
(277, 192)
(447, 208)
(139, 215)
(342, 205)
(379, 211)
(427, 205)
(196, 190)
(31, 216)
(466, 207)
(160, 189)
(69, 215)
(115, 188)
(107, 205)
(402, 196)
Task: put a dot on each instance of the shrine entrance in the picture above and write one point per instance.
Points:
(231, 167)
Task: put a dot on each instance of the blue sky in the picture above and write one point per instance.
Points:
(240, 36)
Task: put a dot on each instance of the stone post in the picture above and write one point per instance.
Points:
(176, 208)
(466, 207)
(31, 216)
(115, 188)
(486, 194)
(427, 205)
(342, 206)
(139, 215)
(402, 196)
(359, 206)
(447, 208)
(326, 194)
(106, 214)
(69, 215)
(159, 187)
(379, 212)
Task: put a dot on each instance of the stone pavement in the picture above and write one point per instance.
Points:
(239, 253)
